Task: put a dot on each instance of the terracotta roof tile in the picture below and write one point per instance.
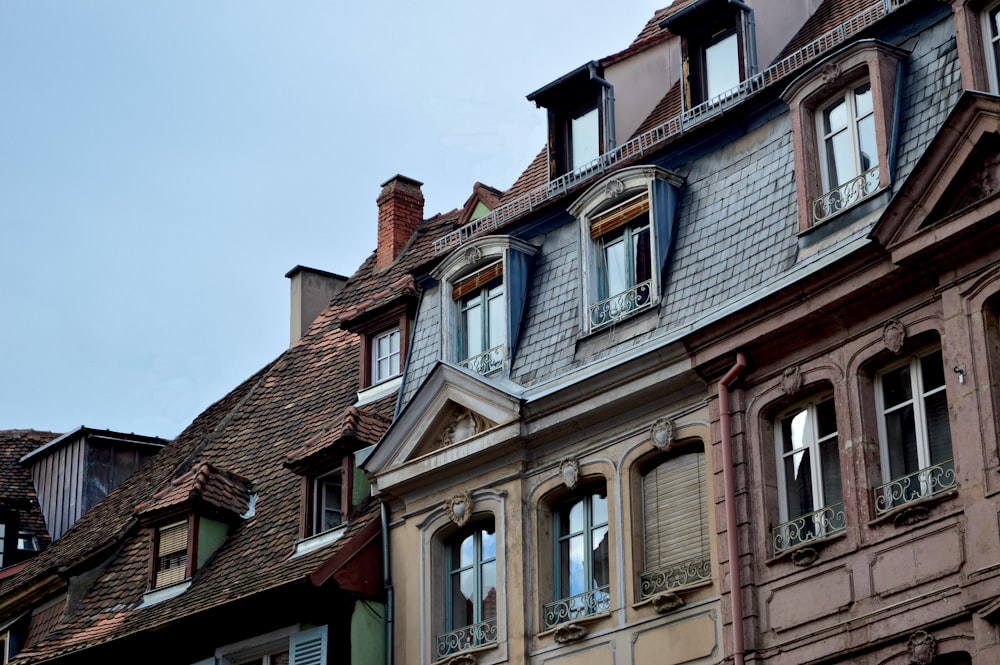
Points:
(536, 175)
(827, 16)
(17, 490)
(202, 484)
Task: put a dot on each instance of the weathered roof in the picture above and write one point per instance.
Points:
(17, 491)
(203, 484)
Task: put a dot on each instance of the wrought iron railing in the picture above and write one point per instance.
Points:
(845, 196)
(812, 526)
(469, 637)
(654, 138)
(675, 576)
(924, 483)
(588, 603)
(621, 306)
(487, 362)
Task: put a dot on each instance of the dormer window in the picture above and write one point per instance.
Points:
(383, 323)
(328, 499)
(484, 287)
(170, 561)
(841, 125)
(627, 221)
(717, 51)
(580, 118)
(385, 348)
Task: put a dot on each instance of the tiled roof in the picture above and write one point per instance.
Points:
(17, 491)
(202, 484)
(829, 15)
(536, 175)
(355, 424)
(668, 107)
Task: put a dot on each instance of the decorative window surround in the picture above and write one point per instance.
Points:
(632, 212)
(479, 266)
(879, 63)
(979, 54)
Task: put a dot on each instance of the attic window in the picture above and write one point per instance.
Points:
(171, 559)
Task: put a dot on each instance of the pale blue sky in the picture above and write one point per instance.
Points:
(163, 164)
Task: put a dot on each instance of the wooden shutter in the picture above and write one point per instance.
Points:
(172, 543)
(310, 647)
(477, 280)
(676, 518)
(619, 215)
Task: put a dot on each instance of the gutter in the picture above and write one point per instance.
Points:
(732, 539)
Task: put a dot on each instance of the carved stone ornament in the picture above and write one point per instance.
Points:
(614, 187)
(569, 632)
(922, 647)
(830, 72)
(462, 659)
(791, 381)
(472, 255)
(662, 434)
(463, 425)
(985, 183)
(667, 601)
(893, 336)
(804, 557)
(910, 515)
(569, 471)
(459, 508)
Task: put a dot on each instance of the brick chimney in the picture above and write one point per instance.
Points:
(400, 210)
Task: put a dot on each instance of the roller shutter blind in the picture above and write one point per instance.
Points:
(171, 558)
(674, 511)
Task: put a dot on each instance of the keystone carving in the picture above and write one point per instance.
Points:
(662, 434)
(472, 256)
(830, 72)
(922, 647)
(910, 515)
(667, 601)
(463, 425)
(462, 659)
(569, 471)
(459, 508)
(804, 557)
(791, 381)
(569, 632)
(893, 336)
(614, 187)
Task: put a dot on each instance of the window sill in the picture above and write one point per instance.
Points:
(166, 593)
(806, 553)
(471, 651)
(680, 591)
(590, 618)
(379, 390)
(313, 543)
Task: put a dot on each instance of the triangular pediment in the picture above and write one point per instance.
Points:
(453, 409)
(954, 189)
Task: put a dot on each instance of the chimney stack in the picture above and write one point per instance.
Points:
(400, 211)
(312, 291)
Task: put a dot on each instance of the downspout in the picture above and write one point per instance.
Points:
(387, 584)
(732, 540)
(751, 34)
(610, 129)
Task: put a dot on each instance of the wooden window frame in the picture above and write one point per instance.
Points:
(191, 550)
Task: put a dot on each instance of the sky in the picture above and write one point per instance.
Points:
(164, 163)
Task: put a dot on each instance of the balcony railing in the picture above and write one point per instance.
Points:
(469, 637)
(924, 483)
(677, 576)
(848, 195)
(813, 526)
(487, 362)
(588, 603)
(621, 306)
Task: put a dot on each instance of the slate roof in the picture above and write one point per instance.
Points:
(17, 491)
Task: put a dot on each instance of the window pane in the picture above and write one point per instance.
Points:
(599, 509)
(722, 66)
(640, 251)
(615, 271)
(866, 141)
(573, 578)
(897, 387)
(938, 428)
(473, 328)
(489, 587)
(489, 545)
(835, 117)
(902, 442)
(798, 484)
(826, 418)
(840, 159)
(833, 491)
(461, 599)
(863, 100)
(496, 318)
(932, 371)
(599, 557)
(584, 136)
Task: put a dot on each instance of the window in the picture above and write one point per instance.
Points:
(991, 44)
(484, 290)
(581, 564)
(471, 590)
(914, 432)
(385, 356)
(628, 222)
(675, 524)
(287, 646)
(583, 141)
(171, 560)
(277, 657)
(720, 68)
(810, 491)
(328, 502)
(482, 320)
(841, 126)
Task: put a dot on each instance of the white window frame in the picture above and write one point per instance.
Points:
(991, 44)
(393, 368)
(486, 295)
(849, 96)
(319, 504)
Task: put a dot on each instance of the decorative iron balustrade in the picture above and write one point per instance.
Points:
(924, 483)
(588, 603)
(621, 306)
(469, 637)
(673, 127)
(812, 526)
(849, 194)
(676, 576)
(487, 362)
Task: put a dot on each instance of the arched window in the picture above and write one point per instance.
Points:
(470, 590)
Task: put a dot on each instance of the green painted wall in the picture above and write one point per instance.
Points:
(211, 534)
(368, 633)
